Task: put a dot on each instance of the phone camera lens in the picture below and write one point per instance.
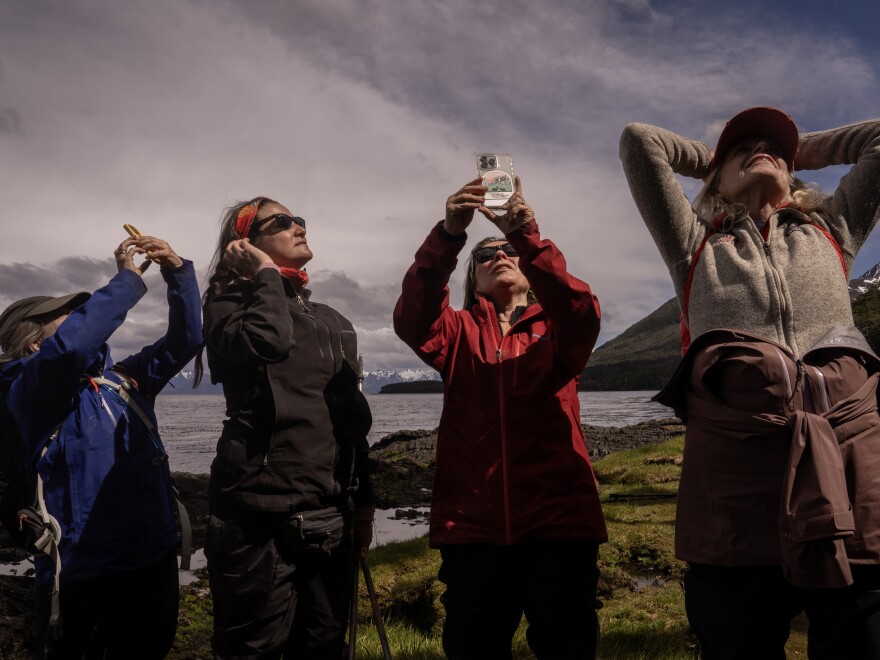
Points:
(492, 162)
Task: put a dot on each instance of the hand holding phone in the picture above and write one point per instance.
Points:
(134, 232)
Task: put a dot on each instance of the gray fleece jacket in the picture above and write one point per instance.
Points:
(788, 283)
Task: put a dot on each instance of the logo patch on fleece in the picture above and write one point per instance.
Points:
(792, 228)
(718, 239)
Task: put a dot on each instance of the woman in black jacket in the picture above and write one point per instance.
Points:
(289, 491)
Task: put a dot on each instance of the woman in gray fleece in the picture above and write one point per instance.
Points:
(779, 500)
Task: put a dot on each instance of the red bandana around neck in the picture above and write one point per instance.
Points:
(299, 278)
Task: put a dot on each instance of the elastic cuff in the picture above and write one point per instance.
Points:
(452, 238)
(509, 230)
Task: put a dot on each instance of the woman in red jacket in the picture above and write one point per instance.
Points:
(515, 510)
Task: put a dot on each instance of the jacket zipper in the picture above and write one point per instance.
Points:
(308, 312)
(777, 281)
(499, 356)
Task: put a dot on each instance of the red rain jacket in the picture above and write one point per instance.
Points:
(512, 461)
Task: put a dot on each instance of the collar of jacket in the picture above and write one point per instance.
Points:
(484, 311)
(289, 289)
(724, 222)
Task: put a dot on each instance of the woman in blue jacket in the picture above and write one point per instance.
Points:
(102, 465)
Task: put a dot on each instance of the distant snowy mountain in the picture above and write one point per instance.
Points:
(860, 285)
(182, 383)
(373, 381)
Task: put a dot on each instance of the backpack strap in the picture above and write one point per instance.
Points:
(684, 316)
(50, 537)
(123, 391)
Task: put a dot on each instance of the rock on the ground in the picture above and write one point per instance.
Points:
(402, 468)
(604, 440)
(193, 489)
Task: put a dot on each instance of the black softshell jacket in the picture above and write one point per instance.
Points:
(295, 434)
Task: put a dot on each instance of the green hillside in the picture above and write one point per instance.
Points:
(866, 312)
(642, 357)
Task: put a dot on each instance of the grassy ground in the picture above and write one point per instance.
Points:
(643, 614)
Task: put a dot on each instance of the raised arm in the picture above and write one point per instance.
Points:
(52, 375)
(250, 325)
(651, 158)
(852, 209)
(423, 318)
(570, 306)
(569, 303)
(153, 366)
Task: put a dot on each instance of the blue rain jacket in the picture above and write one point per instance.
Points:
(106, 476)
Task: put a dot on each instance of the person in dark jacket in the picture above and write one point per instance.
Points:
(778, 506)
(289, 489)
(515, 510)
(103, 468)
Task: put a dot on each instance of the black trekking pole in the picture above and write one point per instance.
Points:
(377, 614)
(353, 616)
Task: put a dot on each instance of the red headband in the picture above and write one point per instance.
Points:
(246, 215)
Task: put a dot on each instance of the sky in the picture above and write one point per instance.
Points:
(364, 116)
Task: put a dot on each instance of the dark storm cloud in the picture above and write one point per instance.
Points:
(366, 305)
(560, 72)
(19, 280)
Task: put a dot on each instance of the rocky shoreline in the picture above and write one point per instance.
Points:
(402, 465)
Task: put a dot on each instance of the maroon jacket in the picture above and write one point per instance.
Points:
(781, 457)
(512, 461)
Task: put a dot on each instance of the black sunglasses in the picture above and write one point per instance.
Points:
(482, 255)
(283, 221)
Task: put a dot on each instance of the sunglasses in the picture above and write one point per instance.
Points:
(283, 221)
(485, 254)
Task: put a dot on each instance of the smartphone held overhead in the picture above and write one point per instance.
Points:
(496, 171)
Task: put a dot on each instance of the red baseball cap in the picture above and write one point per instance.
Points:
(759, 122)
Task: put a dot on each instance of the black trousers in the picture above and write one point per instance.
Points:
(121, 616)
(745, 612)
(490, 587)
(270, 600)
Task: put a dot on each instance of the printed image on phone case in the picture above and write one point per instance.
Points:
(499, 185)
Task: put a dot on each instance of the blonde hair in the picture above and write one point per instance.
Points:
(709, 203)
